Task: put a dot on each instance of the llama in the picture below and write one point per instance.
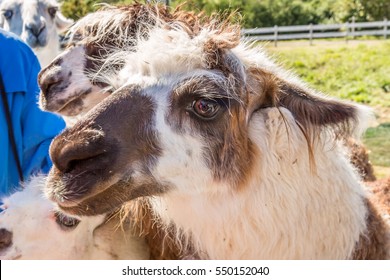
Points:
(233, 155)
(31, 228)
(67, 83)
(38, 23)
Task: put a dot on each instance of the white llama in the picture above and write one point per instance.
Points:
(238, 158)
(32, 229)
(38, 23)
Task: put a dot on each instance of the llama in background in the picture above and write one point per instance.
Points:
(38, 23)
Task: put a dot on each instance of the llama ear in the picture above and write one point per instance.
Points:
(62, 23)
(310, 109)
(261, 88)
(313, 109)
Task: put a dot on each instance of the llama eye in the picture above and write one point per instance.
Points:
(8, 14)
(66, 222)
(52, 11)
(206, 108)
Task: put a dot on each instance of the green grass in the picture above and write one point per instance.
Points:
(355, 71)
(359, 73)
(378, 140)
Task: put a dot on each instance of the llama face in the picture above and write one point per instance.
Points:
(65, 87)
(169, 131)
(181, 125)
(35, 21)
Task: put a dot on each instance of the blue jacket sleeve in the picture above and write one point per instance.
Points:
(39, 128)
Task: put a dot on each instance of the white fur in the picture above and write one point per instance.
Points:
(26, 12)
(263, 220)
(36, 235)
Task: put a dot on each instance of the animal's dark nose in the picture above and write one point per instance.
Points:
(5, 238)
(50, 81)
(35, 29)
(79, 151)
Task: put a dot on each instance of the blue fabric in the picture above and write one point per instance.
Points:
(33, 128)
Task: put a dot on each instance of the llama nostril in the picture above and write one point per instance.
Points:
(68, 155)
(48, 84)
(35, 29)
(5, 239)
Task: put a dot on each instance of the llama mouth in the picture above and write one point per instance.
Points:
(99, 203)
(73, 106)
(111, 198)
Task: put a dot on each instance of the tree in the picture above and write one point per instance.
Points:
(76, 9)
(261, 13)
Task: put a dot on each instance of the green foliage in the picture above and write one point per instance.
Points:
(76, 9)
(363, 10)
(261, 13)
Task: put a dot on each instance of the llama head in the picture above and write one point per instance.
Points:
(37, 22)
(72, 84)
(182, 122)
(31, 228)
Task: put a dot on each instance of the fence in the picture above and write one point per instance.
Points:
(347, 30)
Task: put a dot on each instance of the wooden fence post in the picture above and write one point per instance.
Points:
(385, 28)
(311, 34)
(276, 35)
(353, 28)
(346, 31)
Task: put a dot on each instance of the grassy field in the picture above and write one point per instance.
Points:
(357, 71)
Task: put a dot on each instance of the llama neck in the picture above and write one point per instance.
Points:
(286, 210)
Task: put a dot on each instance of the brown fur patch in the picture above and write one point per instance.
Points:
(359, 159)
(262, 88)
(227, 37)
(229, 151)
(5, 239)
(381, 191)
(374, 244)
(161, 240)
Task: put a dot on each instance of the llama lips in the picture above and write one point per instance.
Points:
(109, 199)
(99, 203)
